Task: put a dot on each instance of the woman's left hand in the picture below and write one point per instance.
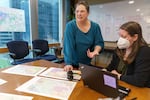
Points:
(91, 54)
(115, 72)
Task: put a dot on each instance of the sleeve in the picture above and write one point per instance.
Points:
(114, 62)
(98, 37)
(141, 73)
(69, 44)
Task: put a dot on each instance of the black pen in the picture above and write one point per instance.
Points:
(135, 98)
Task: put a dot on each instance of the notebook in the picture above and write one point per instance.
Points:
(102, 81)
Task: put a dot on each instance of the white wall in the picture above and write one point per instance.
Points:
(111, 15)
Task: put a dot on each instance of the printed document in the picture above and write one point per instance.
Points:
(54, 88)
(59, 73)
(2, 81)
(7, 96)
(25, 70)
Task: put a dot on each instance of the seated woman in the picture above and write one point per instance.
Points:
(131, 60)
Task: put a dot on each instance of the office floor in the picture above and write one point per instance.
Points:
(5, 60)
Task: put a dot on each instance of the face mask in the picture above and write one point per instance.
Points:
(123, 43)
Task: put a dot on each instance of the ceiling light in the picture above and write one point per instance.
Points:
(131, 2)
(141, 14)
(137, 10)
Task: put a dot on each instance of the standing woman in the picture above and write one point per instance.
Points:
(82, 38)
(131, 61)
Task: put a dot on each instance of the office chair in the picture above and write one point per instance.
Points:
(18, 51)
(40, 48)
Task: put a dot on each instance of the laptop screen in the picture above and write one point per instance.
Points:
(109, 81)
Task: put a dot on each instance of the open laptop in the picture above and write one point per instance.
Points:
(102, 81)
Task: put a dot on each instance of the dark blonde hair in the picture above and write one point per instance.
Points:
(84, 3)
(132, 28)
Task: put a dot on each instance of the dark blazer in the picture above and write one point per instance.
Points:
(138, 72)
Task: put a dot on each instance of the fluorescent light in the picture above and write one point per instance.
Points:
(138, 10)
(141, 14)
(131, 2)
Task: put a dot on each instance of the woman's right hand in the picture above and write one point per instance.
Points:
(68, 67)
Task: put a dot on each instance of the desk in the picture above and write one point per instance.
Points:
(79, 93)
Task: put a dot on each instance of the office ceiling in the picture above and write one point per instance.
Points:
(91, 2)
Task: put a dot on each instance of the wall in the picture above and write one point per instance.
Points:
(34, 18)
(111, 15)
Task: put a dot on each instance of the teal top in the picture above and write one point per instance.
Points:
(76, 43)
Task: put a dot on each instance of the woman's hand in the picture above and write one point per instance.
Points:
(92, 54)
(68, 67)
(115, 72)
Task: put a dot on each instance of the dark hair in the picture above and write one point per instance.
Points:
(133, 28)
(82, 2)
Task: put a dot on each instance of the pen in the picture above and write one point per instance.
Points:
(77, 73)
(135, 98)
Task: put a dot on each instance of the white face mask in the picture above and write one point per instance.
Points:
(123, 43)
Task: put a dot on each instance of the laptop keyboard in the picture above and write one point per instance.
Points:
(123, 92)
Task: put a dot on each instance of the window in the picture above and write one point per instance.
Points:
(48, 20)
(8, 36)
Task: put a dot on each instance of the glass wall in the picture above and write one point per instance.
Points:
(48, 20)
(6, 36)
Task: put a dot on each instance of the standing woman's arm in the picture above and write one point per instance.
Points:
(99, 42)
(69, 44)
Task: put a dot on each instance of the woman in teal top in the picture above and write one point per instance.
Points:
(82, 38)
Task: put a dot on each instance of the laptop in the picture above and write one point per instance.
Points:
(102, 81)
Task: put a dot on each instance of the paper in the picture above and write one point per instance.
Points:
(25, 70)
(2, 81)
(59, 89)
(6, 96)
(59, 73)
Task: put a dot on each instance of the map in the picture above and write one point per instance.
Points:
(2, 81)
(59, 73)
(59, 89)
(12, 20)
(7, 96)
(25, 70)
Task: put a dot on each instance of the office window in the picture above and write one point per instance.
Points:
(8, 36)
(48, 20)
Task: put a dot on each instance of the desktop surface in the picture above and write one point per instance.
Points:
(80, 92)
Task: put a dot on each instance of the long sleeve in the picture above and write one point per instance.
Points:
(114, 63)
(139, 75)
(98, 37)
(69, 44)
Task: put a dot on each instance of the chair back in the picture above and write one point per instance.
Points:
(19, 48)
(41, 45)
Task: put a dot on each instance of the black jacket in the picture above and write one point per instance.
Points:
(138, 72)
